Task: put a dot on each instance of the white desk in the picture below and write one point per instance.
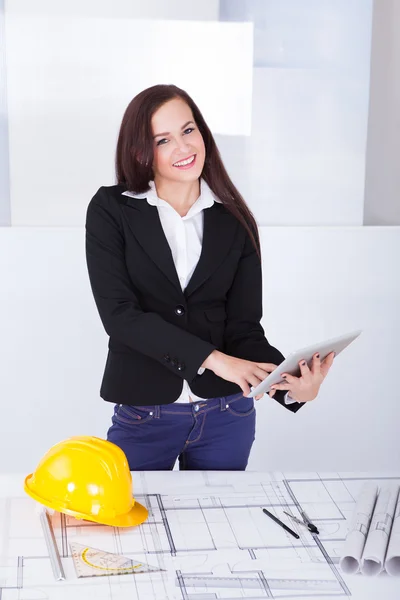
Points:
(207, 532)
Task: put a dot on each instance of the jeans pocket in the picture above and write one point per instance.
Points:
(133, 415)
(242, 407)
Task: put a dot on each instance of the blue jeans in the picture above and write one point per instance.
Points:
(215, 435)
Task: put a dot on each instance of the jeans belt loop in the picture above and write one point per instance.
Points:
(223, 403)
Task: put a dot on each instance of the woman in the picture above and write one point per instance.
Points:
(173, 256)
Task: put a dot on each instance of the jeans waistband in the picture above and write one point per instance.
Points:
(221, 402)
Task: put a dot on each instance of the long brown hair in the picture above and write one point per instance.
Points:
(135, 153)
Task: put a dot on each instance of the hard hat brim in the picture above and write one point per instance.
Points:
(137, 515)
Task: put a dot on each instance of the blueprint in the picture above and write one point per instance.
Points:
(372, 544)
(392, 562)
(206, 538)
(350, 561)
(373, 560)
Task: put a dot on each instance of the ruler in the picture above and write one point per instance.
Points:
(243, 582)
(51, 543)
(92, 562)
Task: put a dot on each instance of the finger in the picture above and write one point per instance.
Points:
(260, 373)
(316, 364)
(259, 396)
(305, 371)
(269, 367)
(281, 386)
(271, 393)
(245, 386)
(289, 378)
(329, 357)
(253, 380)
(327, 363)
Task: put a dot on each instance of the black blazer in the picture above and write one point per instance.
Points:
(159, 334)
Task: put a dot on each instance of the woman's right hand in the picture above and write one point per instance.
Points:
(244, 373)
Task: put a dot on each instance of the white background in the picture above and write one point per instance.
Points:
(53, 347)
(289, 110)
(66, 100)
(285, 90)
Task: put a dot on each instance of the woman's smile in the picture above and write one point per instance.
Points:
(186, 163)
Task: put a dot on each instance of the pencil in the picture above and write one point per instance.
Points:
(293, 533)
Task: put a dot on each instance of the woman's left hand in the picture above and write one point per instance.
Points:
(306, 387)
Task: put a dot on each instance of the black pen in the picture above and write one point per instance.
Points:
(293, 533)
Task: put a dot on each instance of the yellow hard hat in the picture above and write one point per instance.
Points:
(88, 478)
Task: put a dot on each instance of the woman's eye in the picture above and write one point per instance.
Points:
(187, 131)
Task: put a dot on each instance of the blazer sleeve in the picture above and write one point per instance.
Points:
(117, 303)
(244, 334)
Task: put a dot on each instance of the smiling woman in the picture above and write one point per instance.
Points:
(163, 126)
(172, 252)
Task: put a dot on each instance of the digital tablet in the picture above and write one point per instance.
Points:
(291, 363)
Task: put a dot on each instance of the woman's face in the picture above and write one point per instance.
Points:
(176, 139)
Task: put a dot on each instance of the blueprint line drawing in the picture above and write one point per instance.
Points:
(373, 558)
(392, 562)
(206, 538)
(350, 562)
(369, 538)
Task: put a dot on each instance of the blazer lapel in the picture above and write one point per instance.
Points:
(146, 227)
(218, 236)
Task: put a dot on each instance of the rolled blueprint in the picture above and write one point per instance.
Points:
(392, 562)
(355, 541)
(373, 558)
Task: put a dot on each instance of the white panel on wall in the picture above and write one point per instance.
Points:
(70, 80)
(317, 283)
(305, 159)
(5, 216)
(129, 9)
(304, 163)
(328, 34)
(382, 183)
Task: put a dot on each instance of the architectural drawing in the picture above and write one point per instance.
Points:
(206, 534)
(392, 562)
(370, 539)
(378, 535)
(350, 561)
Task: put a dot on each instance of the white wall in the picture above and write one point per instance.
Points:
(290, 118)
(66, 100)
(5, 216)
(304, 163)
(382, 183)
(283, 84)
(128, 9)
(319, 282)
